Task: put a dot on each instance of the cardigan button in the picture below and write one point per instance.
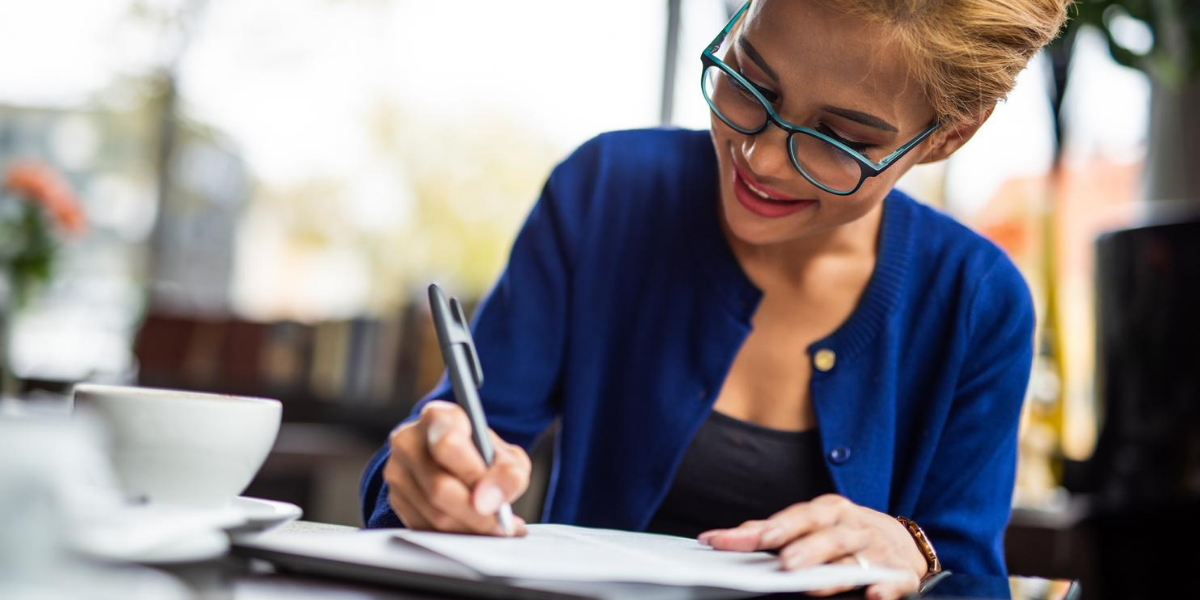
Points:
(825, 359)
(839, 455)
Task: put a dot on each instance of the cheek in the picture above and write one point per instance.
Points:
(852, 208)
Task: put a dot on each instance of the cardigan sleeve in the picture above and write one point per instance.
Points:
(966, 501)
(519, 328)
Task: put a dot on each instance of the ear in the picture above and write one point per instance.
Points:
(945, 143)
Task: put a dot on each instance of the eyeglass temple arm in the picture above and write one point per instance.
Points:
(902, 150)
(716, 43)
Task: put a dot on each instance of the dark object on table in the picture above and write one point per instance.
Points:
(1143, 482)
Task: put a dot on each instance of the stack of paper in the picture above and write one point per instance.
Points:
(560, 552)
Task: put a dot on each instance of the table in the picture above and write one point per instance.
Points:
(238, 578)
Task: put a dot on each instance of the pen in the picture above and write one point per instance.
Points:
(466, 375)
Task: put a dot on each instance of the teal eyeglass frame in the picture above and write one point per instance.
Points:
(867, 168)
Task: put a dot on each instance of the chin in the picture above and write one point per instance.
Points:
(754, 230)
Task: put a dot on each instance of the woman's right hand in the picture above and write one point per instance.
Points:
(438, 481)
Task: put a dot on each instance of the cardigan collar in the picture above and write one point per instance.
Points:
(740, 296)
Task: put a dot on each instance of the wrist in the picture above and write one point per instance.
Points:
(927, 557)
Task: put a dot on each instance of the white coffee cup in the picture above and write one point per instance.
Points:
(183, 448)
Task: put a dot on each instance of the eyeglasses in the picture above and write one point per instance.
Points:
(824, 161)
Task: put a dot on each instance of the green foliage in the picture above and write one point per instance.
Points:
(1174, 56)
(27, 248)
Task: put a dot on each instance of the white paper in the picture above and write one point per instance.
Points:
(561, 552)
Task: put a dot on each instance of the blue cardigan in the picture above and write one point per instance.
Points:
(621, 309)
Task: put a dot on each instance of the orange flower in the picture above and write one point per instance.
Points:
(39, 183)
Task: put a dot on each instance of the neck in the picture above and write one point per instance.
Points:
(790, 264)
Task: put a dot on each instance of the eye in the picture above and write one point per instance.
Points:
(742, 90)
(859, 147)
(771, 96)
(766, 92)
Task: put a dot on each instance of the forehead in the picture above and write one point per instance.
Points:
(825, 57)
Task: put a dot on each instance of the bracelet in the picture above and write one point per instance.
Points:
(924, 545)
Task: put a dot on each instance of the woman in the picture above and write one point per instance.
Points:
(748, 334)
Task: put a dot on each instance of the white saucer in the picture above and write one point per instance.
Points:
(161, 535)
(262, 515)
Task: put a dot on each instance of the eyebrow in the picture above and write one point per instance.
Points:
(853, 115)
(757, 58)
(861, 117)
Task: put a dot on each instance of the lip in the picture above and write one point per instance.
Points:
(778, 206)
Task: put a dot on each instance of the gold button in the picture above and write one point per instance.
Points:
(825, 359)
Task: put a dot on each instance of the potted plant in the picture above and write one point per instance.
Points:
(36, 206)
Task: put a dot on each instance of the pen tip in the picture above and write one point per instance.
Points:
(505, 516)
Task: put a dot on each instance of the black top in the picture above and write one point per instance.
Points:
(735, 471)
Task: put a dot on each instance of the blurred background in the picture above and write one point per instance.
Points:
(267, 188)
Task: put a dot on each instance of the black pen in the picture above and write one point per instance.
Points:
(466, 375)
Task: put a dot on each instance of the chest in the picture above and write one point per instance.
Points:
(768, 381)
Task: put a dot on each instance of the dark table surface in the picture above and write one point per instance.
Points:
(235, 577)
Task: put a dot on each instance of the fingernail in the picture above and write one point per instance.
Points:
(437, 430)
(705, 537)
(488, 499)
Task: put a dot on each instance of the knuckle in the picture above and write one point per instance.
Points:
(442, 493)
(391, 472)
(451, 413)
(400, 434)
(434, 408)
(859, 537)
(446, 448)
(830, 517)
(521, 457)
(515, 473)
(512, 485)
(401, 508)
(443, 522)
(838, 502)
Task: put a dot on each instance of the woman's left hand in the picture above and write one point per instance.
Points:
(831, 530)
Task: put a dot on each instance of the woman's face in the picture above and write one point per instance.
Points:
(823, 70)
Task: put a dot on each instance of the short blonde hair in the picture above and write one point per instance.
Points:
(966, 54)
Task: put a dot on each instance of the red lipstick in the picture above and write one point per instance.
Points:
(750, 194)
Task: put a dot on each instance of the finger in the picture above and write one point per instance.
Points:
(504, 481)
(448, 437)
(406, 513)
(833, 591)
(824, 546)
(392, 477)
(410, 493)
(801, 519)
(783, 527)
(448, 494)
(893, 590)
(746, 537)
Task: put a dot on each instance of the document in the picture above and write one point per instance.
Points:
(566, 553)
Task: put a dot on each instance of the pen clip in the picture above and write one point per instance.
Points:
(452, 328)
(456, 310)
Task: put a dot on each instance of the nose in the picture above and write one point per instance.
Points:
(766, 153)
